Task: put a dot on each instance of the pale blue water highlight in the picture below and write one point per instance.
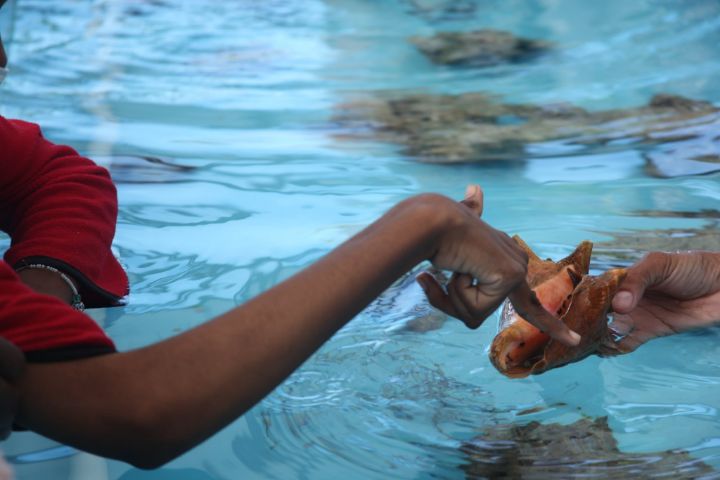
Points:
(245, 91)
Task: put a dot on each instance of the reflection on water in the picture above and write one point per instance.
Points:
(258, 179)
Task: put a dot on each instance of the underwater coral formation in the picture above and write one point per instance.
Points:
(478, 48)
(586, 448)
(475, 127)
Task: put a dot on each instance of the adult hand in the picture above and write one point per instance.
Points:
(12, 364)
(488, 266)
(666, 293)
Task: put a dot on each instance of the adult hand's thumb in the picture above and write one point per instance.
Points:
(624, 301)
(646, 273)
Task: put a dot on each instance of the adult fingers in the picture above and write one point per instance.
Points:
(649, 271)
(474, 199)
(626, 344)
(12, 361)
(621, 326)
(617, 348)
(527, 305)
(629, 344)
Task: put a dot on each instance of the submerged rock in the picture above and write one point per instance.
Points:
(475, 127)
(586, 448)
(699, 154)
(480, 48)
(704, 213)
(630, 246)
(690, 149)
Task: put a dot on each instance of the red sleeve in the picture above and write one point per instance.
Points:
(59, 209)
(44, 327)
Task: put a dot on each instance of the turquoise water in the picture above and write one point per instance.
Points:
(245, 92)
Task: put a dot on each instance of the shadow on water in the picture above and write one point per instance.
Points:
(144, 169)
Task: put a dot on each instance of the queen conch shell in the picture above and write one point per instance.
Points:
(564, 289)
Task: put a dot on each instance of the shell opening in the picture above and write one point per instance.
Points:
(521, 350)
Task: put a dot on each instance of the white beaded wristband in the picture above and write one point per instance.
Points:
(76, 301)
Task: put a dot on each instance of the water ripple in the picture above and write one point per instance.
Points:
(244, 93)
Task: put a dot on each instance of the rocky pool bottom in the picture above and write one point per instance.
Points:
(676, 135)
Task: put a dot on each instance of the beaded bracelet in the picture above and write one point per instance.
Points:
(76, 301)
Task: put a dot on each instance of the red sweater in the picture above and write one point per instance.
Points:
(59, 210)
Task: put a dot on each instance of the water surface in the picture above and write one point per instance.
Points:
(245, 93)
